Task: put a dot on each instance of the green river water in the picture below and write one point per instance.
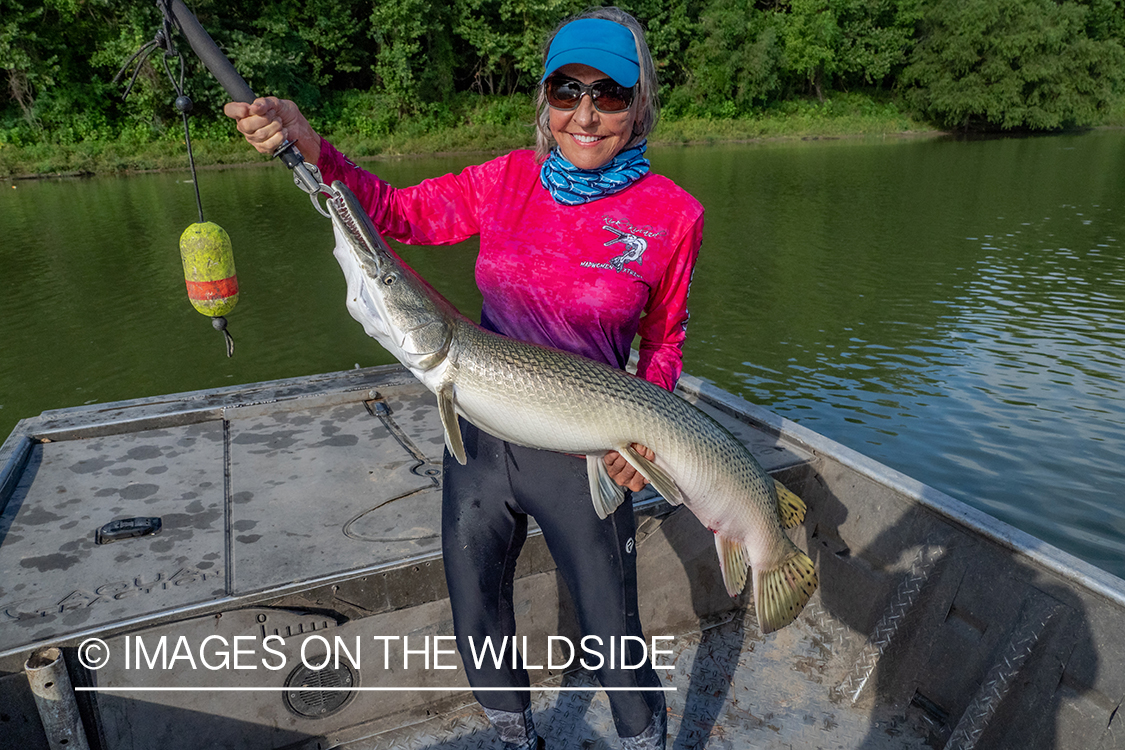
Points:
(954, 309)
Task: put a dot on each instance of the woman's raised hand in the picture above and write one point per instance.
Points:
(269, 122)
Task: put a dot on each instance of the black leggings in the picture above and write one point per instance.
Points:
(485, 505)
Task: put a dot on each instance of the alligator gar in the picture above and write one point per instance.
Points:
(544, 398)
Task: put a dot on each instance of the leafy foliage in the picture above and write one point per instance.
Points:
(812, 38)
(1013, 64)
(363, 67)
(747, 55)
(875, 38)
(734, 63)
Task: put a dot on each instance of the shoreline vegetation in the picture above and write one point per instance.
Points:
(490, 124)
(399, 77)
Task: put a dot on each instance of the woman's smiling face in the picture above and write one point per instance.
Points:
(588, 138)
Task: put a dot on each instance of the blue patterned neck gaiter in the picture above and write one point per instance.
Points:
(572, 186)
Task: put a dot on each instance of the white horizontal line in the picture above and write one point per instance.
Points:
(300, 689)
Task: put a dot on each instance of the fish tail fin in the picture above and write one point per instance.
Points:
(790, 508)
(734, 559)
(780, 593)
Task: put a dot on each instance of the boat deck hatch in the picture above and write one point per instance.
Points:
(220, 497)
(305, 514)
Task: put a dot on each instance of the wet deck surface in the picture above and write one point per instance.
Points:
(256, 489)
(736, 689)
(314, 503)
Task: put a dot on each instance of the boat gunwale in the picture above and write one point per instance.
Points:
(1041, 553)
(287, 393)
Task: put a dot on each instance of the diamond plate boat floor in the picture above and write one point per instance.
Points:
(731, 689)
(296, 506)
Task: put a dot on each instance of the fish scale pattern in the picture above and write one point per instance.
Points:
(725, 486)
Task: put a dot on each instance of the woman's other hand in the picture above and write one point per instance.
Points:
(622, 472)
(269, 122)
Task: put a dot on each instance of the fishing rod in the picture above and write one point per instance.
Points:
(306, 176)
(205, 247)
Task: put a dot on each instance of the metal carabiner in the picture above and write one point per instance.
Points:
(305, 176)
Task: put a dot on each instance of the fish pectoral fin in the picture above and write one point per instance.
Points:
(606, 493)
(734, 560)
(659, 478)
(790, 508)
(449, 422)
(781, 593)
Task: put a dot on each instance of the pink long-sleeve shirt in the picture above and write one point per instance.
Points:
(585, 279)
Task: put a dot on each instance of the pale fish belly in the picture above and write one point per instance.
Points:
(530, 422)
(551, 419)
(721, 485)
(733, 501)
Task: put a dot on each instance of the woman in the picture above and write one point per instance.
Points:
(582, 248)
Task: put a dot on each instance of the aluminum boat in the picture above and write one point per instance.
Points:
(260, 567)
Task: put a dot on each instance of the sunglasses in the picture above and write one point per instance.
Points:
(608, 97)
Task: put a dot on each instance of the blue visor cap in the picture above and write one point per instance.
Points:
(599, 43)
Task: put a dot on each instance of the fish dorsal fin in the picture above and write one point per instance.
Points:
(663, 483)
(790, 508)
(606, 493)
(449, 422)
(734, 559)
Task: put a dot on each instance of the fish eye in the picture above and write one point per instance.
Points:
(389, 279)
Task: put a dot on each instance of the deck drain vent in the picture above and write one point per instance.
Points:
(304, 699)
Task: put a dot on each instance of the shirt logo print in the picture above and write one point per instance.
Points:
(634, 248)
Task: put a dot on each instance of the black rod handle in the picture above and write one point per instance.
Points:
(213, 58)
(235, 85)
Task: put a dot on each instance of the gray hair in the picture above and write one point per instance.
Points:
(645, 98)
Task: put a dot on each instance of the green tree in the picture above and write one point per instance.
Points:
(875, 38)
(495, 45)
(734, 63)
(1105, 20)
(670, 28)
(858, 42)
(1012, 64)
(26, 60)
(363, 65)
(45, 64)
(505, 39)
(414, 58)
(812, 38)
